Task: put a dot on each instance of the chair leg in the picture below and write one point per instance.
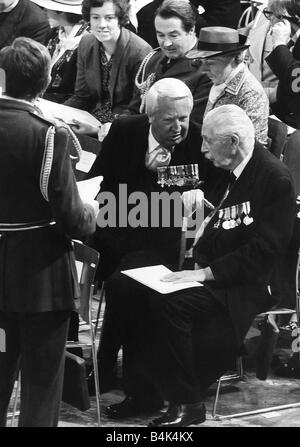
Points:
(14, 412)
(214, 411)
(96, 376)
(101, 298)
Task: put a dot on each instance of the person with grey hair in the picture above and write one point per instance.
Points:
(135, 147)
(201, 329)
(220, 51)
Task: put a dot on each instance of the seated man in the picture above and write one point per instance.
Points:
(196, 333)
(133, 150)
(174, 22)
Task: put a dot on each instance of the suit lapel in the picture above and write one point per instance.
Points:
(118, 57)
(94, 67)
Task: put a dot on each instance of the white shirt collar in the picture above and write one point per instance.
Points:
(239, 169)
(152, 142)
(12, 6)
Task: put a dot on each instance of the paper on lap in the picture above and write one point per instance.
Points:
(88, 189)
(151, 277)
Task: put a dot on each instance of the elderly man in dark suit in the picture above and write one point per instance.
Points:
(174, 22)
(22, 18)
(133, 150)
(243, 239)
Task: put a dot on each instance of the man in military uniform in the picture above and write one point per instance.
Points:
(175, 29)
(40, 211)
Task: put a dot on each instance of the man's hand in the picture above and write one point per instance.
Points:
(281, 33)
(82, 127)
(200, 275)
(192, 200)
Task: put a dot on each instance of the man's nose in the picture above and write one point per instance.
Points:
(167, 43)
(176, 125)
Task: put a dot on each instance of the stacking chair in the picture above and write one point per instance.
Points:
(269, 329)
(86, 262)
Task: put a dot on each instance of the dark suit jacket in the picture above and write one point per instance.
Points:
(26, 19)
(242, 258)
(185, 70)
(286, 66)
(38, 269)
(130, 51)
(122, 161)
(217, 13)
(63, 72)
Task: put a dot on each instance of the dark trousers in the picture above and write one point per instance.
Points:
(36, 343)
(196, 345)
(174, 346)
(127, 323)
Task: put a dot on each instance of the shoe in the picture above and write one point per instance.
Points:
(129, 407)
(181, 415)
(290, 369)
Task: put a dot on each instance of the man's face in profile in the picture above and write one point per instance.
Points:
(217, 148)
(170, 121)
(174, 41)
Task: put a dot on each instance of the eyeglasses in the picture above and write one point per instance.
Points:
(269, 14)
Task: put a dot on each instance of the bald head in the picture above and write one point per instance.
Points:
(228, 136)
(167, 89)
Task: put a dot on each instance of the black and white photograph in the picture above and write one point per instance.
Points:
(150, 216)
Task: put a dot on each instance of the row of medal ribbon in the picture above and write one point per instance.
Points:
(233, 216)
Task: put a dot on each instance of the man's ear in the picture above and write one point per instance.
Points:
(235, 140)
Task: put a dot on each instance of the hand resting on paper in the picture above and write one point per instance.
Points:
(200, 275)
(85, 128)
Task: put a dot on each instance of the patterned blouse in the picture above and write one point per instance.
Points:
(103, 113)
(245, 91)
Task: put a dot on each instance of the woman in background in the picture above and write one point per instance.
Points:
(68, 27)
(108, 60)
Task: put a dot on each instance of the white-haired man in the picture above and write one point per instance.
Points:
(132, 151)
(243, 240)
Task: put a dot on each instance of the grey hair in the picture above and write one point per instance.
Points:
(167, 88)
(229, 120)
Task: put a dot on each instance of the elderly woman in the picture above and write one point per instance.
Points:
(38, 283)
(68, 27)
(108, 60)
(284, 59)
(221, 52)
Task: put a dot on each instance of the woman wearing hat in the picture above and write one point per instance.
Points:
(221, 52)
(108, 59)
(68, 27)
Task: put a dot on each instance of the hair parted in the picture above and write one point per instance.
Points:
(121, 8)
